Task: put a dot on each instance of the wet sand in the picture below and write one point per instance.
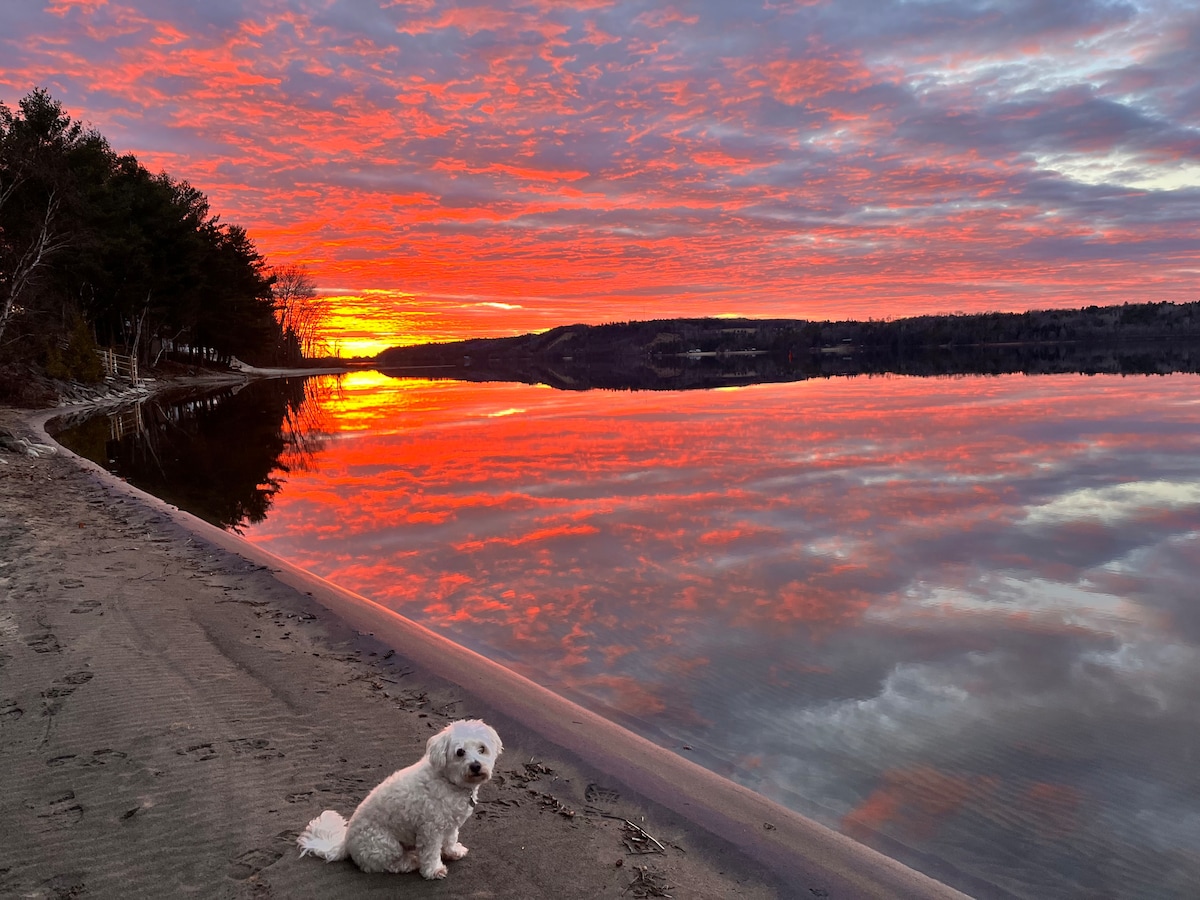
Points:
(176, 704)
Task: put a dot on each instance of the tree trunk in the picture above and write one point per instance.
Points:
(34, 257)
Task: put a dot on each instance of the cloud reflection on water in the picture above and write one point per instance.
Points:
(960, 613)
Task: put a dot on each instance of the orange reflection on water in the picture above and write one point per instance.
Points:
(441, 453)
(584, 539)
(912, 603)
(918, 801)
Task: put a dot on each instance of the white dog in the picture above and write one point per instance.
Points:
(411, 819)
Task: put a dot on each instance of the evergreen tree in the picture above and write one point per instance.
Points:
(150, 267)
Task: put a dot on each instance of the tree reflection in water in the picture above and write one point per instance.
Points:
(222, 455)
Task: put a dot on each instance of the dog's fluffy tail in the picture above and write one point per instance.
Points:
(325, 837)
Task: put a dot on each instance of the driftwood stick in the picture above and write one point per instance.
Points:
(641, 833)
(648, 884)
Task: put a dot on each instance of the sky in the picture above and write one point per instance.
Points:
(459, 169)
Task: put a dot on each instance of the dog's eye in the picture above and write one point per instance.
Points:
(461, 752)
(483, 751)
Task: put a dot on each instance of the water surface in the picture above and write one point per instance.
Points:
(956, 618)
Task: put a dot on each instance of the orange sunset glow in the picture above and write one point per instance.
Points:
(448, 170)
(495, 508)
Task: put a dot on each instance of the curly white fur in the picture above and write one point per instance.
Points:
(411, 819)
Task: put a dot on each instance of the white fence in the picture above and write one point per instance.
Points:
(119, 365)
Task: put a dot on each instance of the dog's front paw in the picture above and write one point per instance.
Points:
(439, 872)
(458, 851)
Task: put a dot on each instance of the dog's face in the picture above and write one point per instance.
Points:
(465, 751)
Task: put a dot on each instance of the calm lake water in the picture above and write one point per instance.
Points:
(957, 619)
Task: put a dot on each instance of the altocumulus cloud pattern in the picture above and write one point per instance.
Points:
(501, 166)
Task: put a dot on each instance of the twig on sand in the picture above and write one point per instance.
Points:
(647, 884)
(638, 840)
(532, 771)
(549, 801)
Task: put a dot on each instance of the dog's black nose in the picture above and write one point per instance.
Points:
(475, 767)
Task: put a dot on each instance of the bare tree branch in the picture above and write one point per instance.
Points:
(300, 313)
(6, 191)
(46, 243)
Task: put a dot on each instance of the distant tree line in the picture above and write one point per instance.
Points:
(96, 250)
(625, 342)
(1141, 338)
(1089, 325)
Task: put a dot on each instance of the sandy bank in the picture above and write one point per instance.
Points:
(176, 703)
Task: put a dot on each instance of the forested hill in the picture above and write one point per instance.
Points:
(97, 250)
(672, 353)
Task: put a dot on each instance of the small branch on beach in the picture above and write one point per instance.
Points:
(149, 577)
(647, 884)
(639, 841)
(409, 699)
(549, 801)
(533, 770)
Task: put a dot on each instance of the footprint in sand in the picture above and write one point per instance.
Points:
(86, 606)
(62, 887)
(9, 711)
(598, 795)
(104, 756)
(260, 748)
(45, 643)
(251, 862)
(64, 687)
(199, 752)
(62, 812)
(70, 582)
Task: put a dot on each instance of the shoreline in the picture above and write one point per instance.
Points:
(331, 662)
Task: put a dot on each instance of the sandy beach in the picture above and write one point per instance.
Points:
(176, 704)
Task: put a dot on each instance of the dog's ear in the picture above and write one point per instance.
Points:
(494, 738)
(439, 747)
